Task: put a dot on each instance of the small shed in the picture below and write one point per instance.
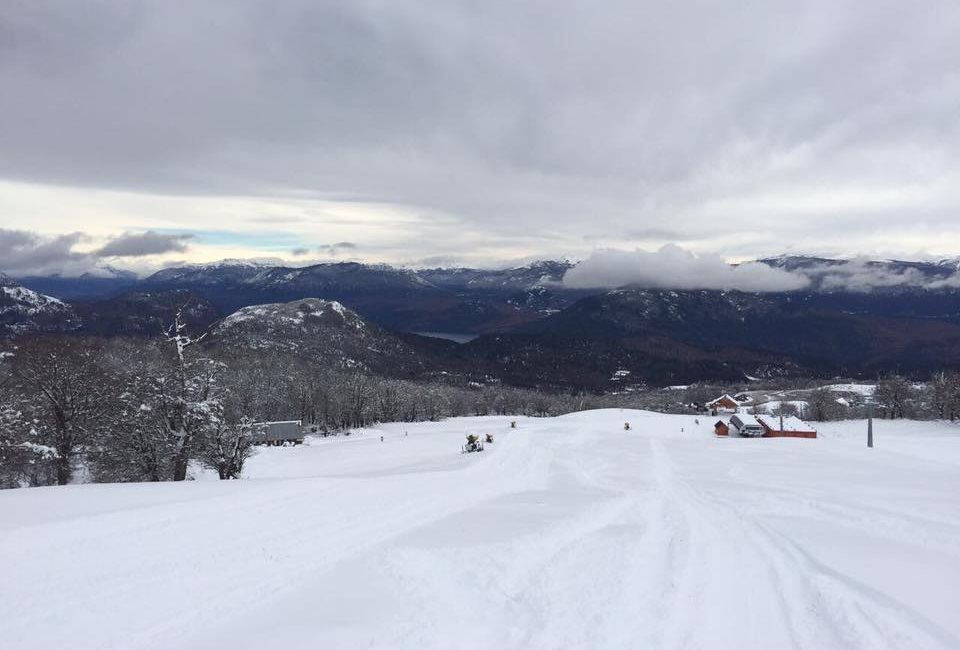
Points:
(721, 428)
(277, 433)
(793, 427)
(723, 404)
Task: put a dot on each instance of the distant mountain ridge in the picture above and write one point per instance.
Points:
(759, 332)
(397, 298)
(144, 313)
(857, 318)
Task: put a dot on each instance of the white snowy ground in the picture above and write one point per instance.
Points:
(565, 533)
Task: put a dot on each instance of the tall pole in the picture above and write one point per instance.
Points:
(870, 423)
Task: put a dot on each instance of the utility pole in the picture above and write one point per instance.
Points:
(870, 423)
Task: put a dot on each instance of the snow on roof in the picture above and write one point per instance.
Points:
(790, 423)
(722, 397)
(742, 420)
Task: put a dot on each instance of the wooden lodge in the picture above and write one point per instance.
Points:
(723, 404)
(791, 427)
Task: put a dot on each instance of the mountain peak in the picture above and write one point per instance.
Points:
(314, 312)
(23, 310)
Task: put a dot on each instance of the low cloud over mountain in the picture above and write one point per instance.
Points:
(672, 267)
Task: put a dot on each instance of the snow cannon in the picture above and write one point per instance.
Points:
(473, 444)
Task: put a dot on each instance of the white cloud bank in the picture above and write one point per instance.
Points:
(863, 275)
(672, 267)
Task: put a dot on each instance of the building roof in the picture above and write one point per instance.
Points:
(745, 419)
(721, 398)
(790, 423)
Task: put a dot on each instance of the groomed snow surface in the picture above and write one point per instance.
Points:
(565, 533)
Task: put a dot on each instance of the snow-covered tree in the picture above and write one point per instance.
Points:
(387, 401)
(228, 447)
(64, 393)
(788, 409)
(188, 397)
(135, 445)
(894, 396)
(17, 455)
(944, 394)
(822, 406)
(357, 389)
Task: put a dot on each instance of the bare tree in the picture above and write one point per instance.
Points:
(894, 395)
(822, 406)
(228, 447)
(787, 409)
(944, 393)
(357, 389)
(388, 399)
(65, 385)
(18, 456)
(135, 445)
(188, 398)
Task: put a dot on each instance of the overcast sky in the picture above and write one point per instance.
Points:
(142, 133)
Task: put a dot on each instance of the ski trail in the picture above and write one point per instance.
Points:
(261, 548)
(819, 606)
(567, 533)
(941, 533)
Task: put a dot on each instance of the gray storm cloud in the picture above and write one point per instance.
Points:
(672, 267)
(23, 252)
(147, 243)
(766, 120)
(336, 249)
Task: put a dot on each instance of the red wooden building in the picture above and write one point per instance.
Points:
(723, 404)
(793, 427)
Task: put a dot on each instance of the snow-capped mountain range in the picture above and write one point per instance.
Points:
(24, 311)
(855, 317)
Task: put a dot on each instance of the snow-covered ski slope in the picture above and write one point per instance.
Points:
(565, 533)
